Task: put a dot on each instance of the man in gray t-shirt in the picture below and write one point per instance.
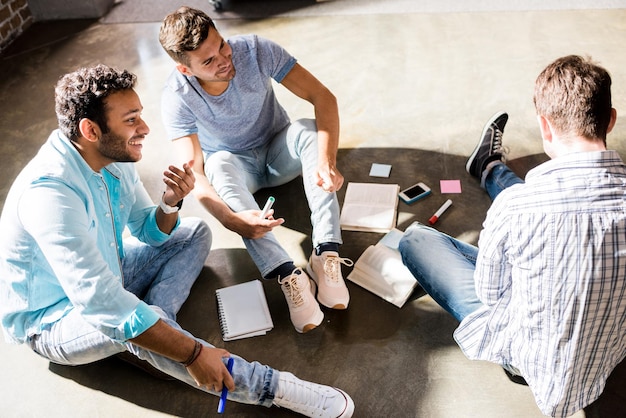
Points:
(220, 110)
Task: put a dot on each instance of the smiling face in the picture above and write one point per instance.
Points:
(211, 63)
(126, 129)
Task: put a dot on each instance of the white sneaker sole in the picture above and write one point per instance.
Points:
(349, 410)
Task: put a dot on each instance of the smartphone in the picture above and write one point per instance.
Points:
(414, 193)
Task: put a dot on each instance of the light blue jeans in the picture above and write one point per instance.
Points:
(443, 265)
(162, 277)
(292, 152)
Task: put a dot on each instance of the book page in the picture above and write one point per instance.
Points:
(370, 207)
(371, 194)
(381, 271)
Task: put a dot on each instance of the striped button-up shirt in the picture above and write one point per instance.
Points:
(551, 272)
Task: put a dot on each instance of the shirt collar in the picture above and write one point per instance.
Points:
(591, 159)
(65, 146)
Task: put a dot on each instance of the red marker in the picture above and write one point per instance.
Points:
(440, 212)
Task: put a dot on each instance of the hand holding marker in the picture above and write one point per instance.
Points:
(440, 212)
(267, 207)
(222, 404)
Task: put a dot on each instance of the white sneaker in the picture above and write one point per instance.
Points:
(304, 310)
(325, 269)
(311, 399)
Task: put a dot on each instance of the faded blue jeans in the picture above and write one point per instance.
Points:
(162, 277)
(443, 265)
(292, 152)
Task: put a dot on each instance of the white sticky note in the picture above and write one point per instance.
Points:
(380, 170)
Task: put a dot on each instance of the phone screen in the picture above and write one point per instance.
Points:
(414, 191)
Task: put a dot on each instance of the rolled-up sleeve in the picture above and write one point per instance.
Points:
(142, 221)
(140, 320)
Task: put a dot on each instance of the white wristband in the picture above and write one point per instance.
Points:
(167, 209)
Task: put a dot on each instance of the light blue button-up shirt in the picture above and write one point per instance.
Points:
(61, 244)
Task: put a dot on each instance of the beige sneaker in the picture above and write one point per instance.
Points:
(304, 310)
(325, 269)
(311, 399)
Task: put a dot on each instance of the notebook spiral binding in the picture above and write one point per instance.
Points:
(220, 314)
(243, 311)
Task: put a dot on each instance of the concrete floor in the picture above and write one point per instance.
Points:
(414, 91)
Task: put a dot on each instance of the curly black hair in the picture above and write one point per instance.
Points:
(81, 94)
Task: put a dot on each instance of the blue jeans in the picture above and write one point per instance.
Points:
(499, 178)
(292, 152)
(443, 265)
(162, 277)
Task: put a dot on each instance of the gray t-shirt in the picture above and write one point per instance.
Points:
(246, 115)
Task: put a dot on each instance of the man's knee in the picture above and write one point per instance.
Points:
(307, 131)
(199, 233)
(414, 237)
(306, 125)
(220, 161)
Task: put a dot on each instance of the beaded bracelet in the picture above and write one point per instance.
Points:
(197, 349)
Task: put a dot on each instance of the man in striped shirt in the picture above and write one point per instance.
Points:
(544, 294)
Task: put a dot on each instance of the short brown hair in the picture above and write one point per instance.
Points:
(574, 94)
(184, 30)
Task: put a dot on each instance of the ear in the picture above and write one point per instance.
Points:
(545, 128)
(184, 70)
(612, 121)
(89, 130)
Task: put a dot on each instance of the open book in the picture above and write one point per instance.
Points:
(371, 207)
(243, 310)
(381, 271)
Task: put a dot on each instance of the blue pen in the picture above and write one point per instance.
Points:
(222, 404)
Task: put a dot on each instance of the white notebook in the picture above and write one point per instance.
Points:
(243, 310)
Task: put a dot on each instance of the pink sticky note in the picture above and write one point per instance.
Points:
(450, 186)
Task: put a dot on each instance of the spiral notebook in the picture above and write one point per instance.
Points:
(243, 311)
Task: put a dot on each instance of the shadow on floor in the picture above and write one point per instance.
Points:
(356, 349)
(612, 402)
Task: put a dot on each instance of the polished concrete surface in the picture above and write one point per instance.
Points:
(414, 91)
